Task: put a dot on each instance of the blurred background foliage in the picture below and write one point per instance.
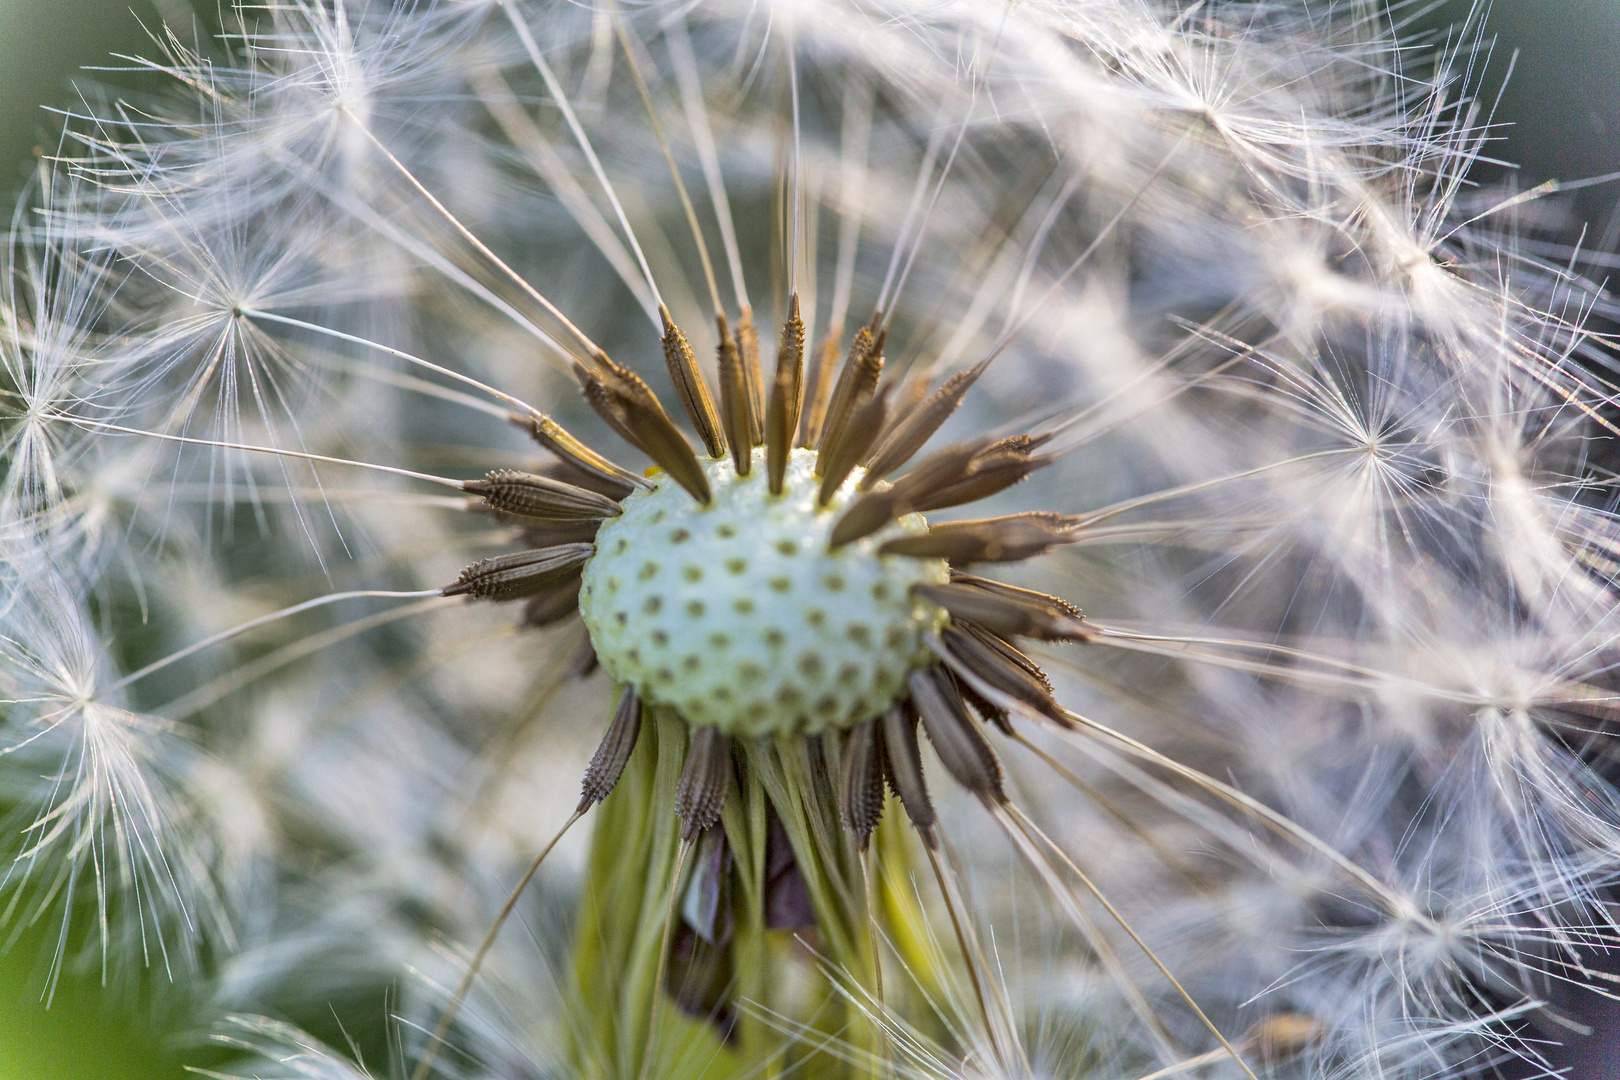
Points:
(1559, 118)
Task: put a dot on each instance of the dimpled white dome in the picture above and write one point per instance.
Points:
(736, 615)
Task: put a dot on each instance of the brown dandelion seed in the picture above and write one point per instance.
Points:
(691, 387)
(629, 407)
(905, 773)
(612, 480)
(1003, 539)
(1007, 609)
(532, 496)
(860, 783)
(840, 458)
(787, 391)
(819, 391)
(915, 425)
(553, 604)
(752, 373)
(857, 381)
(706, 781)
(989, 666)
(736, 403)
(607, 764)
(957, 740)
(874, 509)
(521, 574)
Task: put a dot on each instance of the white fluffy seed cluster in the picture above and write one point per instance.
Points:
(737, 616)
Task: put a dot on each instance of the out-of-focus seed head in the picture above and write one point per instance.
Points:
(738, 616)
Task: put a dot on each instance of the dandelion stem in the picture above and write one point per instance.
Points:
(1016, 817)
(431, 256)
(1082, 521)
(1186, 1065)
(869, 887)
(998, 1025)
(655, 1010)
(1013, 329)
(1277, 822)
(499, 98)
(887, 301)
(697, 118)
(1355, 678)
(663, 144)
(418, 385)
(561, 98)
(220, 444)
(591, 348)
(904, 235)
(854, 140)
(1168, 856)
(238, 677)
(1100, 945)
(254, 624)
(798, 168)
(432, 1052)
(407, 357)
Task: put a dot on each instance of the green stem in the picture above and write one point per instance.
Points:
(791, 1018)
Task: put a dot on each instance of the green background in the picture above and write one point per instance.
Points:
(86, 1033)
(1563, 103)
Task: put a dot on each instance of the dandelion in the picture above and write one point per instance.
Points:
(1122, 593)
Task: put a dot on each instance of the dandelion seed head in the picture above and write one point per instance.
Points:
(737, 615)
(1333, 725)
